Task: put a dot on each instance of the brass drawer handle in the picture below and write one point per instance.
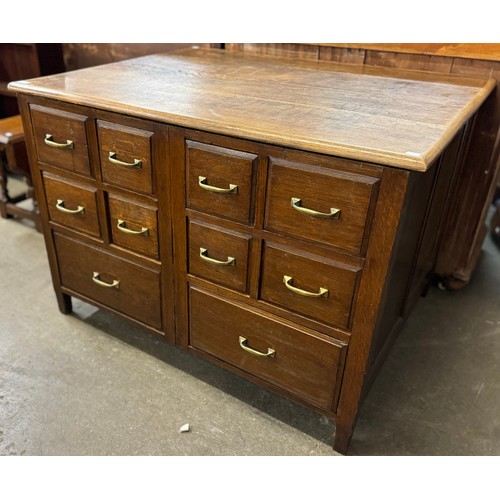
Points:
(202, 182)
(287, 280)
(122, 227)
(96, 278)
(243, 344)
(60, 206)
(49, 140)
(231, 261)
(112, 158)
(333, 214)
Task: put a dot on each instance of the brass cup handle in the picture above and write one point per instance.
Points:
(243, 344)
(202, 182)
(287, 280)
(96, 278)
(333, 214)
(49, 140)
(121, 225)
(112, 158)
(60, 206)
(231, 261)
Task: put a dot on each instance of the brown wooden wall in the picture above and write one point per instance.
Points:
(357, 52)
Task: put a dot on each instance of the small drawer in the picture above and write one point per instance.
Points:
(315, 287)
(61, 138)
(72, 205)
(297, 360)
(220, 181)
(218, 255)
(319, 204)
(125, 154)
(134, 226)
(114, 282)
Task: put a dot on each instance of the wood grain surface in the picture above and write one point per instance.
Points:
(395, 117)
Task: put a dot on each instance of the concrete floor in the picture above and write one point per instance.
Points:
(92, 384)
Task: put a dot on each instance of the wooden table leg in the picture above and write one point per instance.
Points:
(64, 303)
(4, 194)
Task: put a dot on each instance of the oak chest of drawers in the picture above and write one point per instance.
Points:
(276, 218)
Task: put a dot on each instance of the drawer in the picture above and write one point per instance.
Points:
(218, 255)
(319, 204)
(296, 360)
(114, 282)
(125, 154)
(321, 289)
(61, 138)
(220, 181)
(72, 204)
(134, 226)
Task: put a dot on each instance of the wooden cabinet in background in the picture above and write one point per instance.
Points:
(20, 61)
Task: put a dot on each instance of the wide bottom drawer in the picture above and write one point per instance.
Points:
(114, 282)
(297, 360)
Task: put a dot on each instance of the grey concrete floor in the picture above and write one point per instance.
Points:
(92, 384)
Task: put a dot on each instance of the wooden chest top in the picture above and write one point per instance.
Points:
(393, 117)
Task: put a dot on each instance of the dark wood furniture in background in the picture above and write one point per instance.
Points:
(475, 183)
(277, 218)
(19, 61)
(14, 160)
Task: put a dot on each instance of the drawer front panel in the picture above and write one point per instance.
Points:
(72, 205)
(134, 226)
(319, 204)
(320, 289)
(219, 256)
(61, 138)
(112, 281)
(302, 362)
(125, 154)
(220, 181)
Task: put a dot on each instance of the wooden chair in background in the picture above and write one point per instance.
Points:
(14, 162)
